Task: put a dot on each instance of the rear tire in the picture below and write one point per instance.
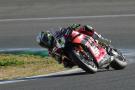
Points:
(119, 61)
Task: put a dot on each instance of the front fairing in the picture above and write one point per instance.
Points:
(77, 38)
(96, 50)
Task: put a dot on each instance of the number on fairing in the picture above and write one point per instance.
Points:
(95, 50)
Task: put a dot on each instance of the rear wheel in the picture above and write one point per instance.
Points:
(86, 63)
(119, 61)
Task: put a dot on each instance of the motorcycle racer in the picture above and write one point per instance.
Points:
(53, 40)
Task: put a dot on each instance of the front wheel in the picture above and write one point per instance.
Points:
(119, 61)
(86, 64)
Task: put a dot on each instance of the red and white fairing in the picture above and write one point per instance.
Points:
(97, 51)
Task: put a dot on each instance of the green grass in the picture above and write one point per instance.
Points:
(18, 66)
(10, 62)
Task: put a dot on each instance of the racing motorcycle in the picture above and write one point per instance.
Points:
(85, 52)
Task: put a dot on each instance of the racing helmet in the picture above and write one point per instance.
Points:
(45, 39)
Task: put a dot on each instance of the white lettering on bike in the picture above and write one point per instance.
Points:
(94, 49)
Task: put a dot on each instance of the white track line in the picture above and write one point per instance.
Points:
(12, 81)
(71, 71)
(69, 17)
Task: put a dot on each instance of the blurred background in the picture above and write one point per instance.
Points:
(21, 20)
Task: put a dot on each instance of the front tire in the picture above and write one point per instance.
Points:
(87, 65)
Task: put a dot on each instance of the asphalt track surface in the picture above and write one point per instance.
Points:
(20, 21)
